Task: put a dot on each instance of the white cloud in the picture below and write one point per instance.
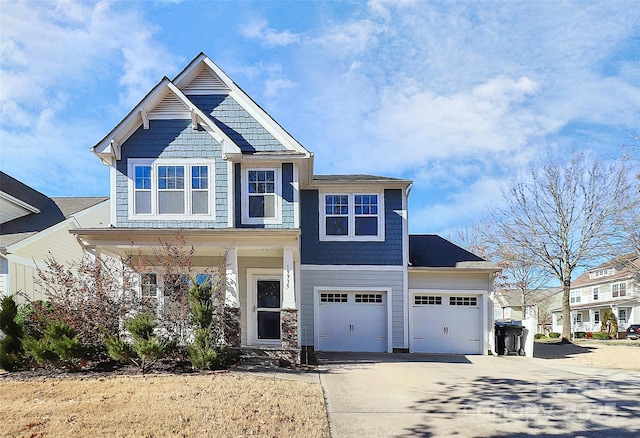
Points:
(58, 59)
(268, 36)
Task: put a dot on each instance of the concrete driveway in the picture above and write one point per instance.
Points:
(402, 395)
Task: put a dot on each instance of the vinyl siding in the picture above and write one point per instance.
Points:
(4, 267)
(448, 281)
(361, 278)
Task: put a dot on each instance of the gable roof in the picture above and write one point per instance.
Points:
(625, 266)
(52, 212)
(432, 251)
(17, 199)
(214, 102)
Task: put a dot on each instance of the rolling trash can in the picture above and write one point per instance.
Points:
(509, 339)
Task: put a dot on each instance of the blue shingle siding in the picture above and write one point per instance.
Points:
(171, 139)
(316, 252)
(237, 123)
(288, 205)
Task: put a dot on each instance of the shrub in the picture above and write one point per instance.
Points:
(59, 345)
(589, 335)
(554, 335)
(580, 335)
(539, 336)
(11, 343)
(145, 348)
(206, 352)
(609, 324)
(600, 335)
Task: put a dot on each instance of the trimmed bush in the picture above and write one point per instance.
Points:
(600, 335)
(59, 346)
(580, 335)
(589, 335)
(11, 343)
(539, 336)
(554, 335)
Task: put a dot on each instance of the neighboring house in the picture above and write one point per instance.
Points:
(508, 306)
(35, 226)
(610, 287)
(316, 261)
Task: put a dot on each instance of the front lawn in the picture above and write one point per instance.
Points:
(215, 405)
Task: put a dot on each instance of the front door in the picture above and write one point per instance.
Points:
(268, 304)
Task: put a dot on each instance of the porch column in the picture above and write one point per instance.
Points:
(232, 305)
(231, 274)
(289, 317)
(591, 319)
(288, 280)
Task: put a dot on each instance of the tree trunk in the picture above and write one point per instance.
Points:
(566, 311)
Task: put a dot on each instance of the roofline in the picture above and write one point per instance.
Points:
(403, 183)
(454, 269)
(20, 202)
(72, 219)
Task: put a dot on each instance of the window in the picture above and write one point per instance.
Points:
(622, 316)
(463, 301)
(352, 216)
(619, 290)
(149, 285)
(429, 300)
(368, 298)
(497, 312)
(575, 296)
(596, 293)
(170, 189)
(578, 318)
(333, 298)
(596, 317)
(262, 196)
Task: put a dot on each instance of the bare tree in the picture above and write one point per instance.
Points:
(565, 215)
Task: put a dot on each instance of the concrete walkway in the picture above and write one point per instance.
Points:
(384, 395)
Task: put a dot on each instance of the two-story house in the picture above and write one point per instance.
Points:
(316, 261)
(609, 287)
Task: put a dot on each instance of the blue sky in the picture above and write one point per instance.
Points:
(456, 96)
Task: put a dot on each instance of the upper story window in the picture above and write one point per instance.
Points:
(601, 273)
(171, 189)
(596, 293)
(352, 216)
(618, 290)
(262, 197)
(575, 296)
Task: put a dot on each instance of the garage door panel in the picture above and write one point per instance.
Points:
(352, 321)
(446, 324)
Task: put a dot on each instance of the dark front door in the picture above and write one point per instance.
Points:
(268, 309)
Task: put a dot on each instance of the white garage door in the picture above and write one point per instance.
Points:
(352, 321)
(446, 324)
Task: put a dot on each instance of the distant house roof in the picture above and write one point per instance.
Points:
(51, 210)
(624, 266)
(432, 251)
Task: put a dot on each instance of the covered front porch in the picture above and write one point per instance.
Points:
(261, 270)
(589, 317)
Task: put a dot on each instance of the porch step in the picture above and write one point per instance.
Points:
(269, 357)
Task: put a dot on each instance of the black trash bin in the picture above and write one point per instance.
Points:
(509, 338)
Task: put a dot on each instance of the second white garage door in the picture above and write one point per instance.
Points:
(352, 321)
(446, 323)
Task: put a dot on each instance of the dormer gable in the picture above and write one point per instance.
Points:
(164, 101)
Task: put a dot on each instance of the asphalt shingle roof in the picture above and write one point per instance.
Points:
(432, 251)
(52, 210)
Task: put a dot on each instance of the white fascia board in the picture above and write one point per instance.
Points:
(20, 203)
(396, 268)
(71, 222)
(255, 110)
(228, 146)
(129, 124)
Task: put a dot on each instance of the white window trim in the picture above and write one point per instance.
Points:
(621, 319)
(351, 237)
(575, 296)
(277, 220)
(132, 163)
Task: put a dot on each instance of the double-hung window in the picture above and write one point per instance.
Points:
(575, 296)
(262, 196)
(596, 293)
(618, 290)
(352, 216)
(149, 285)
(171, 189)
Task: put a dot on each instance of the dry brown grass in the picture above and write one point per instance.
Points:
(216, 405)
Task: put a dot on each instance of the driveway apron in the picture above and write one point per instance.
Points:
(403, 395)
